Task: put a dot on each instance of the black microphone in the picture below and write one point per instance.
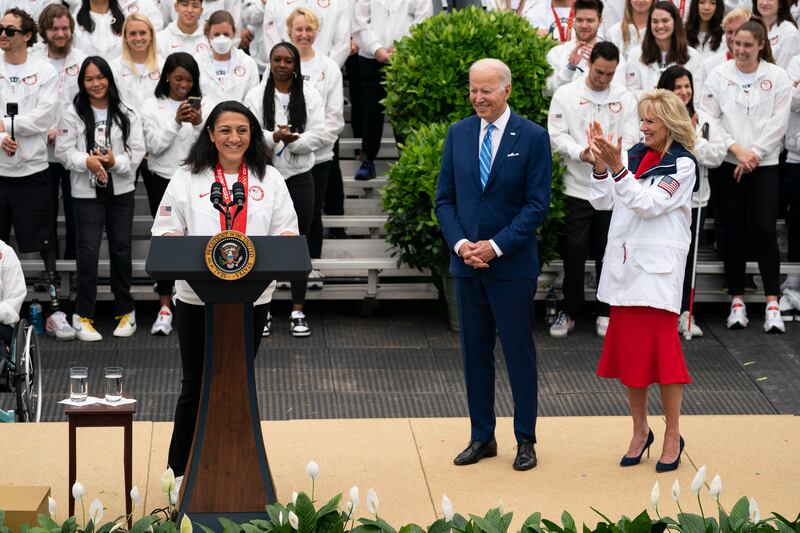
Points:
(216, 194)
(239, 198)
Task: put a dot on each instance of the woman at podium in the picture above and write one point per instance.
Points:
(231, 149)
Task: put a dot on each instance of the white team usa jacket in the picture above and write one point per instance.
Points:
(171, 39)
(793, 132)
(327, 80)
(649, 236)
(167, 142)
(784, 39)
(558, 57)
(135, 87)
(640, 77)
(755, 117)
(186, 209)
(241, 77)
(12, 285)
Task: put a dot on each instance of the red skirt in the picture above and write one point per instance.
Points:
(642, 346)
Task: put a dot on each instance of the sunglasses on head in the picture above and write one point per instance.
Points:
(11, 32)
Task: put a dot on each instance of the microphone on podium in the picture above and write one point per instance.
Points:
(239, 198)
(219, 205)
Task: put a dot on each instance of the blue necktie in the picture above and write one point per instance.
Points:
(486, 155)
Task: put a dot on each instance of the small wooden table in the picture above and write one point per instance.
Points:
(99, 415)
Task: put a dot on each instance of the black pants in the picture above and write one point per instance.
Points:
(115, 215)
(301, 189)
(59, 178)
(585, 231)
(321, 173)
(687, 276)
(155, 186)
(755, 194)
(373, 91)
(334, 194)
(353, 73)
(791, 184)
(191, 324)
(25, 206)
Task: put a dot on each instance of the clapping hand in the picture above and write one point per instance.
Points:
(604, 149)
(283, 133)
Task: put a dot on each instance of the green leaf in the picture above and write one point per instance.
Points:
(205, 529)
(306, 514)
(483, 524)
(411, 528)
(641, 524)
(552, 526)
(47, 522)
(250, 528)
(532, 524)
(228, 525)
(691, 523)
(568, 522)
(262, 525)
(72, 524)
(141, 525)
(604, 517)
(439, 526)
(739, 514)
(331, 507)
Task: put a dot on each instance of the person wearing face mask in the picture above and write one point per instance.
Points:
(570, 60)
(293, 118)
(630, 31)
(784, 37)
(168, 143)
(226, 73)
(589, 98)
(185, 33)
(704, 27)
(730, 23)
(750, 98)
(322, 73)
(138, 69)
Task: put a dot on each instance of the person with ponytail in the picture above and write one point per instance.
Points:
(99, 27)
(629, 32)
(138, 69)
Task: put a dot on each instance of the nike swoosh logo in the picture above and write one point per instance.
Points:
(204, 194)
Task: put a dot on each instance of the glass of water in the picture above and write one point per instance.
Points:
(78, 383)
(113, 383)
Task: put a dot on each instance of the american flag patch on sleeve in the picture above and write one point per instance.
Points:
(165, 211)
(669, 184)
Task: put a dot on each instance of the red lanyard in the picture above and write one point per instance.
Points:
(571, 21)
(240, 224)
(682, 8)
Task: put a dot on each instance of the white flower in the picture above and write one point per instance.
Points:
(447, 508)
(51, 507)
(135, 497)
(355, 499)
(293, 520)
(500, 506)
(280, 518)
(348, 508)
(372, 501)
(716, 487)
(699, 479)
(173, 497)
(312, 469)
(676, 490)
(655, 494)
(116, 527)
(167, 481)
(77, 490)
(186, 524)
(294, 498)
(96, 511)
(754, 511)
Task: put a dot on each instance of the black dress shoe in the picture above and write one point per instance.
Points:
(475, 451)
(526, 456)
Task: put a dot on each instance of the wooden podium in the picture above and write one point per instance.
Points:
(228, 472)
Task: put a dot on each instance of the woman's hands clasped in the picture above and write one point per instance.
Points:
(606, 153)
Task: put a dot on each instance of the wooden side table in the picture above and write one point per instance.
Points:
(99, 415)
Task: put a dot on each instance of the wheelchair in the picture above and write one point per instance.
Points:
(21, 374)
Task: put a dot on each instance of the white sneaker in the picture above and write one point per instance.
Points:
(58, 326)
(793, 296)
(84, 329)
(562, 326)
(601, 325)
(126, 325)
(163, 324)
(683, 325)
(298, 325)
(773, 323)
(737, 319)
(792, 281)
(786, 308)
(315, 279)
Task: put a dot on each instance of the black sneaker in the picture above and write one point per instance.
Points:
(267, 326)
(299, 326)
(366, 171)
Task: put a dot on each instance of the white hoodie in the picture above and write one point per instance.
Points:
(380, 23)
(12, 285)
(167, 142)
(757, 119)
(322, 73)
(573, 106)
(171, 39)
(640, 77)
(102, 41)
(135, 88)
(793, 131)
(35, 92)
(784, 38)
(242, 76)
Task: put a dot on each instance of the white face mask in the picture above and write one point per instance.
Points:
(221, 44)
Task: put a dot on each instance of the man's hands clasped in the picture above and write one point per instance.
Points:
(477, 254)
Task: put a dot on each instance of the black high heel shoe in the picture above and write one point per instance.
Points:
(669, 467)
(631, 461)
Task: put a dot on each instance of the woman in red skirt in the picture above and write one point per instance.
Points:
(650, 192)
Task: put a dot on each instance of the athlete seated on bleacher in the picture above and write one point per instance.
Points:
(12, 291)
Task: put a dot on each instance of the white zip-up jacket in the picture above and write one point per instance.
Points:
(186, 209)
(296, 157)
(571, 109)
(558, 57)
(757, 119)
(326, 77)
(241, 77)
(36, 96)
(784, 39)
(380, 23)
(171, 39)
(135, 88)
(149, 8)
(614, 35)
(793, 131)
(640, 77)
(649, 235)
(709, 64)
(71, 151)
(102, 41)
(253, 20)
(709, 153)
(333, 37)
(33, 7)
(12, 285)
(167, 142)
(234, 7)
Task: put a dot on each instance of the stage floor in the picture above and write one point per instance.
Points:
(408, 461)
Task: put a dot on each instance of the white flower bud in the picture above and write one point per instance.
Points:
(372, 502)
(655, 494)
(312, 469)
(716, 487)
(676, 490)
(699, 479)
(77, 490)
(447, 508)
(293, 520)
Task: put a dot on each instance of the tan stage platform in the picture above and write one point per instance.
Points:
(409, 463)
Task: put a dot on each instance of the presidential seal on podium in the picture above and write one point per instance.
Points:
(230, 255)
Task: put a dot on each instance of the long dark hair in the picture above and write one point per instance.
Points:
(673, 74)
(84, 17)
(759, 31)
(679, 46)
(173, 61)
(715, 31)
(784, 11)
(117, 111)
(203, 154)
(297, 102)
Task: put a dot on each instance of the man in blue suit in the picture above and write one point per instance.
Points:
(494, 190)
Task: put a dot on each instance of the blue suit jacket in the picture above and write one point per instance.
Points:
(514, 203)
